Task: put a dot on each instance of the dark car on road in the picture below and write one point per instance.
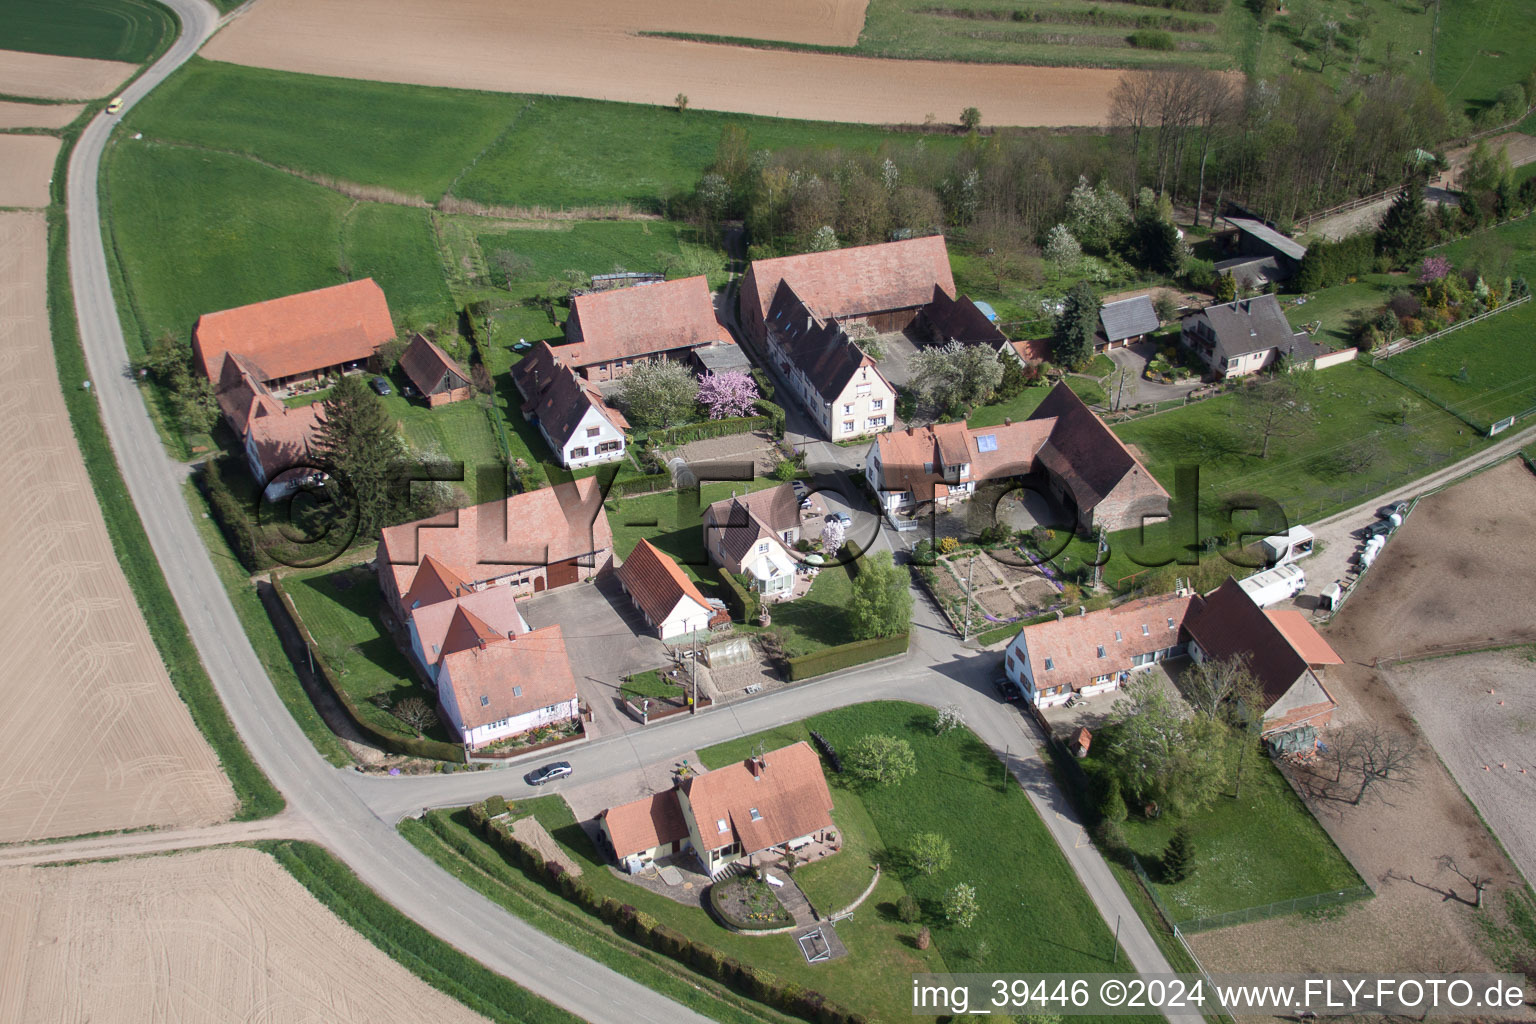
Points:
(841, 517)
(1005, 688)
(1381, 528)
(548, 773)
(381, 385)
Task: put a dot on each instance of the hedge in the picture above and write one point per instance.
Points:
(846, 656)
(641, 484)
(764, 384)
(410, 746)
(231, 517)
(742, 602)
(709, 428)
(775, 414)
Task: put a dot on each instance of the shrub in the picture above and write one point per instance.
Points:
(1147, 39)
(827, 750)
(743, 603)
(948, 545)
(495, 806)
(908, 910)
(924, 937)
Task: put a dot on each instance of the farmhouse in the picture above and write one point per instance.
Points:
(577, 423)
(834, 379)
(500, 686)
(1243, 337)
(444, 614)
(1063, 448)
(1282, 650)
(275, 438)
(1257, 254)
(609, 331)
(773, 802)
(296, 337)
(884, 285)
(1097, 652)
(669, 600)
(436, 377)
(752, 535)
(538, 540)
(1125, 323)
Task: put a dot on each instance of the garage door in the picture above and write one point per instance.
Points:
(561, 573)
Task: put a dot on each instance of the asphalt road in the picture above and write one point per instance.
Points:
(354, 815)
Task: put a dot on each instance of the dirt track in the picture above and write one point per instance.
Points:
(543, 47)
(26, 166)
(59, 78)
(37, 115)
(95, 737)
(217, 935)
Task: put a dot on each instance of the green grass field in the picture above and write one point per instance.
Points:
(394, 246)
(1487, 371)
(1293, 41)
(671, 522)
(1335, 306)
(600, 247)
(816, 620)
(127, 30)
(1484, 45)
(1259, 849)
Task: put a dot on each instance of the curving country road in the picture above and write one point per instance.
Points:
(354, 815)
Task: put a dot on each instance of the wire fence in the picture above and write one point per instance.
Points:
(1279, 908)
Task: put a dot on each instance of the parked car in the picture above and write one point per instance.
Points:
(1397, 508)
(381, 385)
(548, 773)
(841, 517)
(1382, 527)
(1005, 688)
(799, 487)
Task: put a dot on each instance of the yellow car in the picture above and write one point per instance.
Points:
(115, 105)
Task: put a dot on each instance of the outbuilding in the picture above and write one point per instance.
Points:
(1289, 546)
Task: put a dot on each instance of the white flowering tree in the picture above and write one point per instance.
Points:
(1062, 250)
(831, 537)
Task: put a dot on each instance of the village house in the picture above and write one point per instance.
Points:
(444, 613)
(834, 379)
(296, 337)
(436, 377)
(1283, 651)
(498, 686)
(1243, 337)
(669, 600)
(608, 332)
(1089, 654)
(572, 416)
(752, 535)
(773, 803)
(1062, 447)
(1125, 323)
(277, 441)
(1257, 254)
(535, 541)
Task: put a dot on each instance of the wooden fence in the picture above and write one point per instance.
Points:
(1407, 344)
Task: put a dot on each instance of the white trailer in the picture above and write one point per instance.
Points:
(1284, 548)
(1274, 585)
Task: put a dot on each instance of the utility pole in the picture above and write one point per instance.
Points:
(970, 575)
(1007, 756)
(1115, 958)
(693, 680)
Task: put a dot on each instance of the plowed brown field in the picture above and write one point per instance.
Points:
(213, 936)
(94, 736)
(37, 115)
(59, 78)
(26, 167)
(583, 48)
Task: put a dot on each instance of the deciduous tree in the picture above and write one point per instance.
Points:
(929, 852)
(881, 760)
(1062, 250)
(657, 393)
(881, 602)
(727, 394)
(960, 906)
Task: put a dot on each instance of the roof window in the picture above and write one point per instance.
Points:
(1118, 637)
(1144, 630)
(485, 701)
(1049, 664)
(1170, 622)
(756, 814)
(721, 824)
(1101, 650)
(517, 691)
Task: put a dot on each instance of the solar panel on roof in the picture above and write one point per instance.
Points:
(986, 443)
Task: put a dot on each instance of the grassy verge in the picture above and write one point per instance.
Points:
(125, 30)
(258, 798)
(412, 946)
(447, 839)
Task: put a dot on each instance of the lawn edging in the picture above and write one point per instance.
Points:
(428, 957)
(410, 746)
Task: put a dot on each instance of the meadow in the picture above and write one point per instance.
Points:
(545, 250)
(126, 30)
(1483, 46)
(1486, 371)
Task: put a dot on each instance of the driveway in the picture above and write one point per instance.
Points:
(604, 642)
(1139, 390)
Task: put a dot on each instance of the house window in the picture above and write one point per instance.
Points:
(762, 548)
(862, 389)
(552, 709)
(927, 467)
(877, 404)
(847, 426)
(609, 446)
(594, 431)
(876, 421)
(756, 815)
(847, 408)
(789, 536)
(578, 453)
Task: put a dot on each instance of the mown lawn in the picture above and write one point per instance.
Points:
(1258, 849)
(673, 522)
(126, 30)
(1335, 306)
(1487, 370)
(1034, 915)
(818, 619)
(1483, 47)
(340, 607)
(601, 247)
(1018, 408)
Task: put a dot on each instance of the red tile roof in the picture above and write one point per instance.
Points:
(1305, 640)
(656, 583)
(1032, 350)
(462, 622)
(642, 320)
(1073, 643)
(788, 793)
(644, 824)
(518, 676)
(498, 538)
(426, 365)
(282, 437)
(297, 334)
(866, 279)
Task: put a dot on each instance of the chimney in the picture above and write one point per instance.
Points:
(909, 430)
(756, 766)
(481, 643)
(511, 635)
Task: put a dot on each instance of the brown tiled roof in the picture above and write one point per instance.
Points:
(1226, 623)
(519, 675)
(426, 365)
(961, 320)
(296, 334)
(562, 401)
(1072, 643)
(283, 440)
(1306, 641)
(789, 794)
(1011, 451)
(866, 279)
(1082, 452)
(906, 454)
(497, 538)
(434, 582)
(744, 520)
(656, 583)
(644, 824)
(642, 320)
(1033, 350)
(463, 621)
(827, 356)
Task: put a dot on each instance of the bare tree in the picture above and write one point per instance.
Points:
(416, 713)
(1373, 758)
(1218, 686)
(1131, 105)
(1478, 882)
(1274, 409)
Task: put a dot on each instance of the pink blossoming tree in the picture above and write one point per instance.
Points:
(1433, 269)
(727, 394)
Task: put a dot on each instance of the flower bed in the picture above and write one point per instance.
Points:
(748, 904)
(533, 739)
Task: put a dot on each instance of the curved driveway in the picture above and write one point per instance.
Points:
(354, 815)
